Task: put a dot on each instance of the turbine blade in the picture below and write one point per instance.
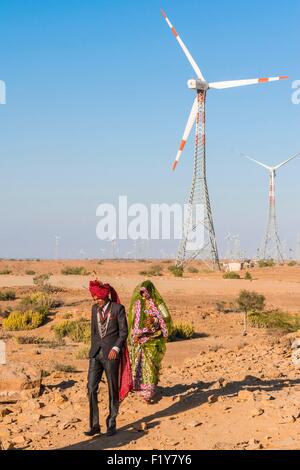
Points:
(259, 163)
(184, 48)
(287, 161)
(187, 131)
(239, 83)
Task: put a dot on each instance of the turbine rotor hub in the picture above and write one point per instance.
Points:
(199, 85)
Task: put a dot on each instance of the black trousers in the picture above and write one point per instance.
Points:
(97, 366)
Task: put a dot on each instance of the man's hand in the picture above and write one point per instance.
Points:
(113, 355)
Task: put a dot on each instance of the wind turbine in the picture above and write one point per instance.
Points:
(272, 246)
(199, 195)
(57, 239)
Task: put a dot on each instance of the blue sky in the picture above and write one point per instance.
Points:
(97, 102)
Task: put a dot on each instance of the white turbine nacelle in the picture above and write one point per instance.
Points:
(200, 85)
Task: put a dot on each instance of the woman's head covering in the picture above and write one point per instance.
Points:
(157, 299)
(103, 291)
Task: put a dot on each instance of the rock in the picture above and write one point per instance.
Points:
(254, 444)
(68, 424)
(9, 420)
(5, 434)
(296, 344)
(39, 432)
(19, 382)
(5, 411)
(257, 412)
(20, 440)
(246, 395)
(287, 419)
(59, 398)
(212, 399)
(223, 446)
(7, 445)
(195, 424)
(140, 427)
(32, 405)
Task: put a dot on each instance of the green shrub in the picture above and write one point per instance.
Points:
(64, 368)
(266, 263)
(67, 316)
(155, 270)
(250, 302)
(275, 319)
(193, 270)
(292, 263)
(231, 275)
(30, 273)
(177, 271)
(45, 374)
(21, 321)
(5, 272)
(78, 331)
(7, 295)
(83, 353)
(30, 340)
(74, 271)
(248, 276)
(38, 302)
(181, 331)
(41, 281)
(221, 306)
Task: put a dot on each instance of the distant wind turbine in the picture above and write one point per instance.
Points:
(272, 246)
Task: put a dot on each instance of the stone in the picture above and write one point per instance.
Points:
(296, 344)
(254, 444)
(40, 432)
(287, 419)
(195, 424)
(59, 398)
(5, 434)
(140, 427)
(68, 424)
(257, 412)
(19, 382)
(4, 412)
(7, 445)
(20, 440)
(212, 399)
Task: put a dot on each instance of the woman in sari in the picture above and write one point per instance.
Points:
(149, 324)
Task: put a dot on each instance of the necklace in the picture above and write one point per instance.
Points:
(103, 326)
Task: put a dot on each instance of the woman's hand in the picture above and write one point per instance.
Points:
(149, 322)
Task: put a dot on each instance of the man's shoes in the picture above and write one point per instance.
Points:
(92, 432)
(111, 432)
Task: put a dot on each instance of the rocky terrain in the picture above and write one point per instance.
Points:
(217, 391)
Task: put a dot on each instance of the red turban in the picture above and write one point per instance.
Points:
(103, 291)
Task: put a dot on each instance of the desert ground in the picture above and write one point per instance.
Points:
(219, 390)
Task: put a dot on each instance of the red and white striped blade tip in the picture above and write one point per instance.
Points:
(163, 13)
(262, 80)
(175, 165)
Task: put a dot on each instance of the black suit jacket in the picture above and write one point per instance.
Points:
(117, 331)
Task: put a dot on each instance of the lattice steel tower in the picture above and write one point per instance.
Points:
(199, 198)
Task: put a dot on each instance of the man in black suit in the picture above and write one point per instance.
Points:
(109, 331)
